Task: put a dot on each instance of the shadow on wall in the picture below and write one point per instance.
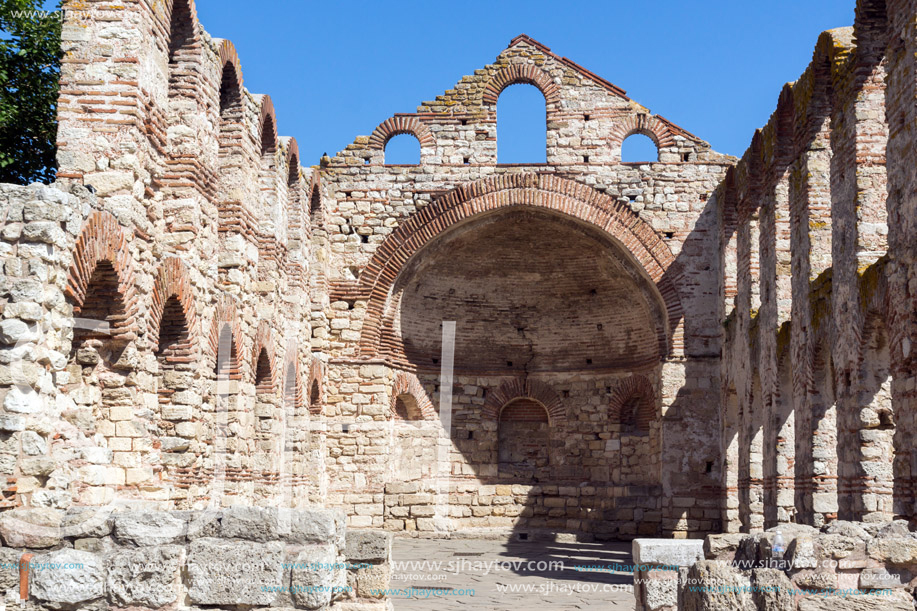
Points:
(556, 421)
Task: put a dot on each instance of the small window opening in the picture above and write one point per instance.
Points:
(509, 363)
(686, 157)
(585, 158)
(638, 148)
(466, 160)
(403, 149)
(586, 117)
(669, 234)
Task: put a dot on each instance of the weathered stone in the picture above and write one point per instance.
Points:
(31, 528)
(66, 576)
(722, 546)
(893, 601)
(87, 522)
(772, 590)
(234, 573)
(893, 549)
(714, 585)
(670, 552)
(148, 528)
(252, 523)
(368, 546)
(313, 576)
(147, 576)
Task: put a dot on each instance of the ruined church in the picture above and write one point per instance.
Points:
(195, 318)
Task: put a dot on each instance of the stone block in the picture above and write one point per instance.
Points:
(313, 576)
(716, 586)
(893, 601)
(148, 528)
(367, 546)
(31, 527)
(773, 590)
(234, 572)
(66, 577)
(145, 577)
(86, 522)
(668, 551)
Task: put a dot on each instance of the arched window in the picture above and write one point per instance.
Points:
(523, 440)
(402, 149)
(639, 148)
(521, 125)
(314, 396)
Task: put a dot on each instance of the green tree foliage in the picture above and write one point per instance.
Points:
(30, 53)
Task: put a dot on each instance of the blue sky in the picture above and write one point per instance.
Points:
(335, 70)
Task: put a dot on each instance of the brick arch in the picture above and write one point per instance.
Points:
(225, 314)
(316, 377)
(267, 126)
(519, 388)
(173, 281)
(537, 190)
(264, 342)
(315, 197)
(646, 124)
(638, 388)
(401, 124)
(522, 73)
(102, 239)
(229, 60)
(291, 162)
(408, 384)
(186, 19)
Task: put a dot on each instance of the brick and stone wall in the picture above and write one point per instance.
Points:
(816, 412)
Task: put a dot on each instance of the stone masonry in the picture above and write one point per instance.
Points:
(191, 321)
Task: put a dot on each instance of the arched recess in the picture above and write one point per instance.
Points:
(100, 283)
(633, 405)
(184, 48)
(172, 282)
(519, 388)
(524, 440)
(264, 363)
(267, 126)
(614, 219)
(413, 399)
(731, 422)
(173, 334)
(315, 386)
(292, 388)
(821, 502)
(315, 199)
(872, 474)
(232, 129)
(226, 341)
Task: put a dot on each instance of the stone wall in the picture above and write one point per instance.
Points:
(239, 558)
